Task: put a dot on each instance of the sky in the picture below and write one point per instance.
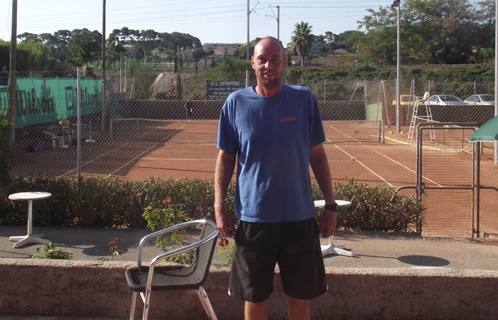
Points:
(212, 21)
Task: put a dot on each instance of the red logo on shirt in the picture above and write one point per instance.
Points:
(288, 119)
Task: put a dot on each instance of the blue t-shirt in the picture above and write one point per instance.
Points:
(272, 138)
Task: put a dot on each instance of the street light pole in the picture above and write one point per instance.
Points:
(103, 63)
(396, 4)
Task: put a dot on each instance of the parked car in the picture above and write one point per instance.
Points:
(444, 100)
(481, 99)
(409, 100)
(406, 100)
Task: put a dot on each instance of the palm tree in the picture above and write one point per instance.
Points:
(302, 40)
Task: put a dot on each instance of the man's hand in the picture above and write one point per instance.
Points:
(328, 223)
(224, 223)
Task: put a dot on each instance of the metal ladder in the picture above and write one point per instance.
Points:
(427, 118)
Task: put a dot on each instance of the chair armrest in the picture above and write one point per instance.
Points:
(51, 134)
(183, 249)
(179, 226)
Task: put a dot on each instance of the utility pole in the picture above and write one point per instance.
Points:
(248, 45)
(12, 76)
(278, 23)
(276, 18)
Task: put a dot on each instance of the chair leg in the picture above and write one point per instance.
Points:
(133, 305)
(206, 304)
(146, 299)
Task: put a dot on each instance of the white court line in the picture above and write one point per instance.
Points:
(152, 147)
(361, 163)
(115, 149)
(356, 160)
(90, 161)
(402, 165)
(132, 160)
(398, 163)
(343, 133)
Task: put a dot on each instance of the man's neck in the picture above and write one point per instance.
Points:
(267, 92)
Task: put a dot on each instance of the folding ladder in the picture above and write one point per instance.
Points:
(427, 117)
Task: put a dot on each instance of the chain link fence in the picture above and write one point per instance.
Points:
(144, 107)
(140, 130)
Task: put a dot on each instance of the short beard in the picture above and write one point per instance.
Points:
(270, 84)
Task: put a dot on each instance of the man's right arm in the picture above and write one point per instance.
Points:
(225, 165)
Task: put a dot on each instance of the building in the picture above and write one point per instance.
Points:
(159, 52)
(130, 50)
(223, 49)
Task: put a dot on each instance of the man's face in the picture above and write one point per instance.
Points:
(269, 63)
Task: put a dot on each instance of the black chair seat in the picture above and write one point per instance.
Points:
(165, 278)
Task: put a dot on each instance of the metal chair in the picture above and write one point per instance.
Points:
(54, 138)
(144, 279)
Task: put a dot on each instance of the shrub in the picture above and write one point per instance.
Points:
(6, 150)
(156, 203)
(163, 215)
(379, 208)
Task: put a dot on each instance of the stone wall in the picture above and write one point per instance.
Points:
(98, 289)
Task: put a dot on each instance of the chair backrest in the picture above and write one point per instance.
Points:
(204, 254)
(204, 248)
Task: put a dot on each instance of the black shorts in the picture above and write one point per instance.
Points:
(294, 245)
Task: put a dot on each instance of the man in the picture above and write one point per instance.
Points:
(188, 110)
(275, 132)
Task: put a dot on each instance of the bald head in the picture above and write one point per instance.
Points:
(269, 41)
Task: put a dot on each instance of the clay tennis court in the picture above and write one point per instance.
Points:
(140, 149)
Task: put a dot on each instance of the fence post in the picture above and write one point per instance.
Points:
(78, 123)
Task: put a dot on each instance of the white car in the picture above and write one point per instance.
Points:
(481, 99)
(444, 100)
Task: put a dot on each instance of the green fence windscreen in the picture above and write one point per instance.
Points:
(49, 100)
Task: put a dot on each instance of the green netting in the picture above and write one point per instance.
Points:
(48, 100)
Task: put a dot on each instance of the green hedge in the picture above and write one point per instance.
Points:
(111, 203)
(103, 202)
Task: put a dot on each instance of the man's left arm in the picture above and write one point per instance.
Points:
(320, 166)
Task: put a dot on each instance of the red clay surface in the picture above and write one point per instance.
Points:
(182, 150)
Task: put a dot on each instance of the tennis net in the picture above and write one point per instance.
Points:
(157, 130)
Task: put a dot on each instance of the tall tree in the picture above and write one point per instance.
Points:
(61, 44)
(379, 44)
(4, 55)
(114, 49)
(302, 40)
(27, 36)
(445, 26)
(484, 34)
(347, 40)
(84, 46)
(432, 31)
(35, 56)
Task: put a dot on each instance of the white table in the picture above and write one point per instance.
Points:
(29, 238)
(331, 249)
